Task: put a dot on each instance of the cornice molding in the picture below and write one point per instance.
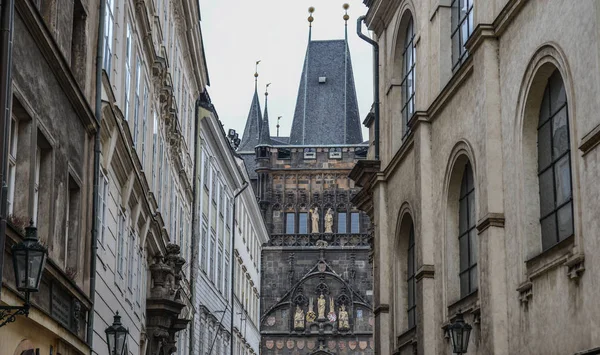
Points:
(490, 220)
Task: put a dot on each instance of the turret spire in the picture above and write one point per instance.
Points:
(346, 17)
(265, 132)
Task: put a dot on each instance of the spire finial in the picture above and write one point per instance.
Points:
(256, 75)
(310, 20)
(278, 118)
(346, 17)
(267, 89)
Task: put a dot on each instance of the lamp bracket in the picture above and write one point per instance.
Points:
(9, 313)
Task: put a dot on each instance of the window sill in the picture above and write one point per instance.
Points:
(408, 338)
(549, 259)
(467, 304)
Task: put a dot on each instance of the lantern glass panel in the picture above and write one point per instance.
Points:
(121, 346)
(110, 339)
(35, 265)
(465, 337)
(20, 265)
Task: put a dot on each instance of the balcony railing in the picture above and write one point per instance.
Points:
(318, 239)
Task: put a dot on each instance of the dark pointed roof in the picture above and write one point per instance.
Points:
(326, 112)
(265, 134)
(253, 126)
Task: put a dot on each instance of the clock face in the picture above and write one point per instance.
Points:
(331, 316)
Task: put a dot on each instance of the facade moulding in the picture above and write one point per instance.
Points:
(49, 48)
(590, 141)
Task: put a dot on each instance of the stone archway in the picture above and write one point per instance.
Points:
(25, 347)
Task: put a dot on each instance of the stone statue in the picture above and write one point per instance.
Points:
(321, 306)
(310, 315)
(329, 221)
(344, 323)
(299, 318)
(331, 315)
(315, 219)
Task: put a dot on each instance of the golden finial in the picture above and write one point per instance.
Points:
(256, 69)
(310, 11)
(346, 7)
(267, 89)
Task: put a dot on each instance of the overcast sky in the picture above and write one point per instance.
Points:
(237, 33)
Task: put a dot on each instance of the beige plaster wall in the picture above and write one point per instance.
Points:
(485, 113)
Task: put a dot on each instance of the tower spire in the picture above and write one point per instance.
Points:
(310, 20)
(278, 118)
(265, 133)
(346, 17)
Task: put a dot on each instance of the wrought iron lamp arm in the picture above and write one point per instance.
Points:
(9, 313)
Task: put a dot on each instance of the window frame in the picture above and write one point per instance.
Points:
(554, 161)
(456, 31)
(467, 196)
(411, 309)
(289, 225)
(408, 73)
(126, 101)
(13, 140)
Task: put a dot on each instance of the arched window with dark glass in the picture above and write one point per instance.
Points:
(554, 165)
(467, 238)
(411, 287)
(408, 80)
(462, 27)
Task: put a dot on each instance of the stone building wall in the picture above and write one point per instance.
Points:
(485, 112)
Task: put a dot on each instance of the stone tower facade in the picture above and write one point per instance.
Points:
(316, 281)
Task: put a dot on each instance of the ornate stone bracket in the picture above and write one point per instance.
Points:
(575, 267)
(525, 292)
(164, 305)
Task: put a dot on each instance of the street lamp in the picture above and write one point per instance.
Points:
(29, 258)
(460, 331)
(116, 337)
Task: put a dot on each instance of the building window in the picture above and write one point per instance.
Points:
(203, 247)
(127, 72)
(109, 20)
(467, 238)
(154, 138)
(554, 165)
(341, 222)
(226, 288)
(289, 223)
(213, 242)
(130, 258)
(354, 222)
(219, 280)
(102, 194)
(12, 163)
(310, 153)
(160, 174)
(462, 27)
(335, 153)
(303, 223)
(408, 81)
(412, 292)
(121, 243)
(72, 226)
(36, 184)
(137, 101)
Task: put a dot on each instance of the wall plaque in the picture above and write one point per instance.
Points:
(60, 306)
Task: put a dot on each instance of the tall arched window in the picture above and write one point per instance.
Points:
(411, 287)
(467, 238)
(554, 165)
(462, 27)
(408, 80)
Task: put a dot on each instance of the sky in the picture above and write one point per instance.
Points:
(237, 33)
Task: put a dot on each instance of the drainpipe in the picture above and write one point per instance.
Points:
(193, 268)
(7, 13)
(232, 264)
(375, 79)
(98, 115)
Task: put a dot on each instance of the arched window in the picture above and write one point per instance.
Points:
(467, 238)
(411, 284)
(408, 80)
(554, 165)
(462, 27)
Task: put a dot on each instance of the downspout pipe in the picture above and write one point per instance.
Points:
(233, 262)
(7, 14)
(98, 115)
(193, 268)
(375, 45)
